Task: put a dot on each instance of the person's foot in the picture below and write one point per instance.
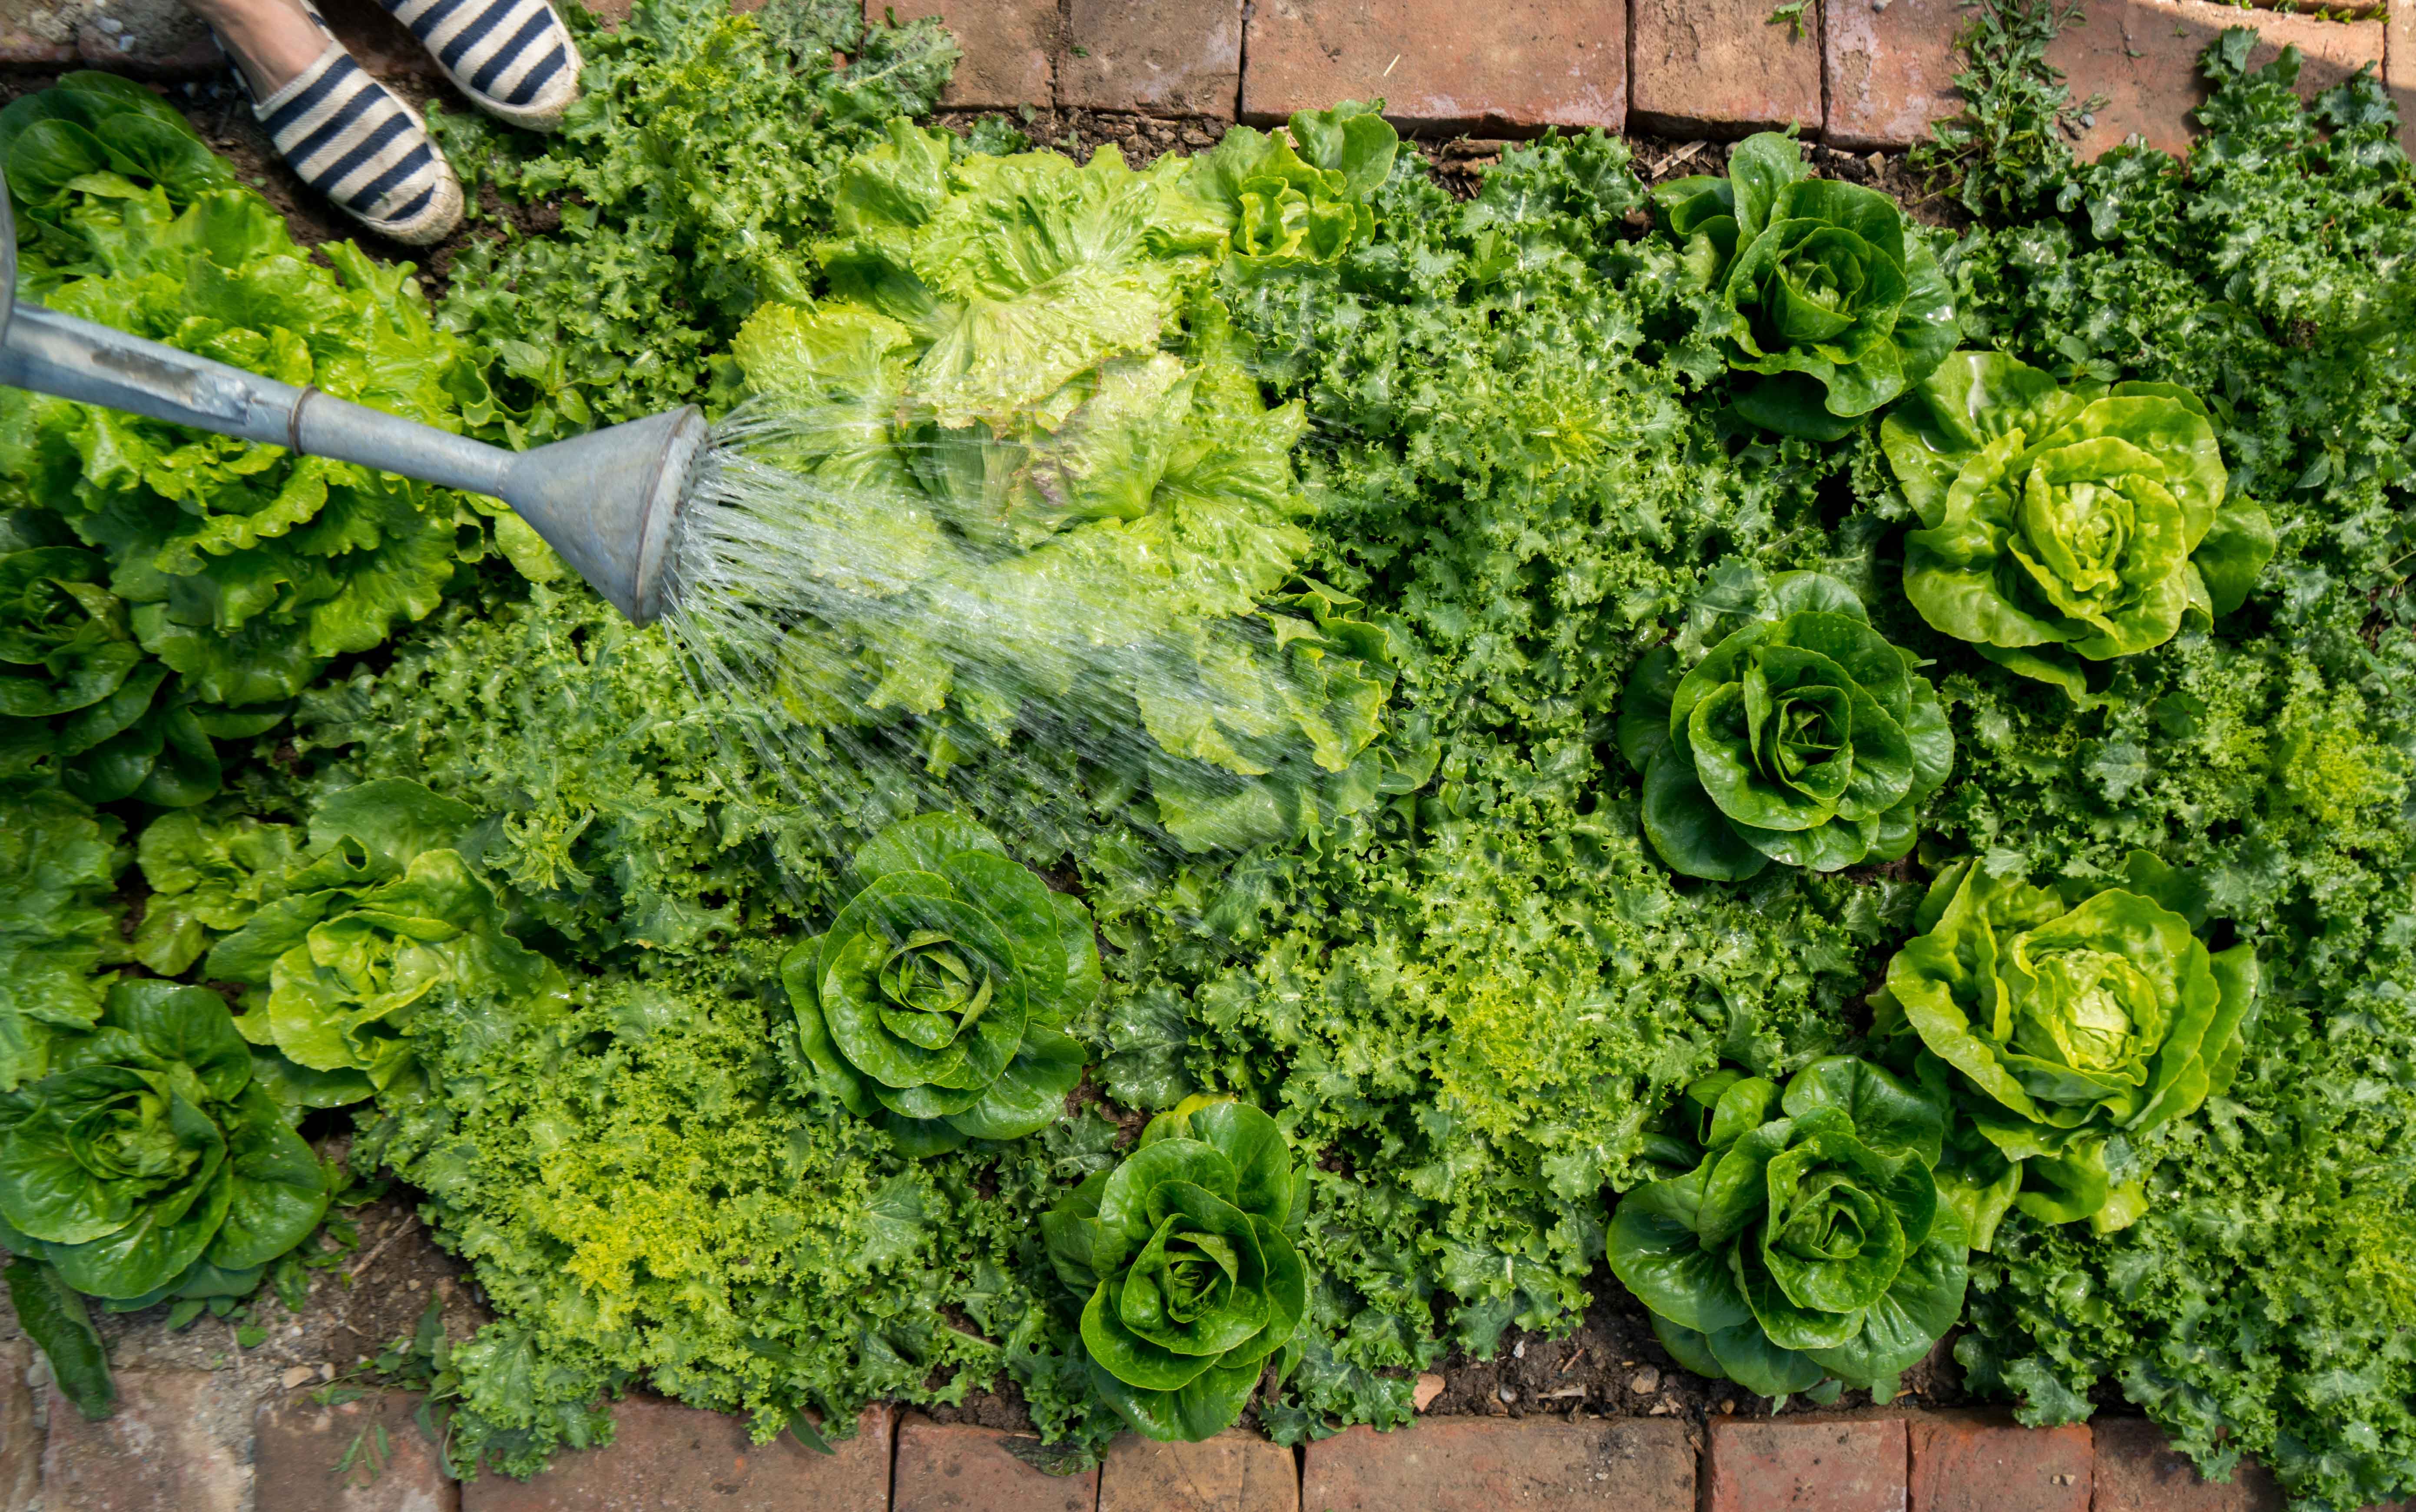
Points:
(345, 134)
(355, 141)
(514, 58)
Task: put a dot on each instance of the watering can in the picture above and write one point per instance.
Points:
(604, 501)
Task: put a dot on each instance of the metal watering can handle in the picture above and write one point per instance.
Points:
(605, 501)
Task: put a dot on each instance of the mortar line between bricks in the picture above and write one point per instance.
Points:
(897, 1433)
(1241, 55)
(1821, 10)
(1061, 49)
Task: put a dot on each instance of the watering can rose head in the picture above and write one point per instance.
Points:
(2063, 527)
(150, 1151)
(2072, 1029)
(1821, 287)
(936, 999)
(1184, 1260)
(1804, 1239)
(1804, 738)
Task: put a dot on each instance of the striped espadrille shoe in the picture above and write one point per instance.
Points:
(355, 141)
(514, 58)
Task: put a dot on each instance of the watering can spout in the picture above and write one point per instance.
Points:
(605, 501)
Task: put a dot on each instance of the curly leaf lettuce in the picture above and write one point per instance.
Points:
(2063, 527)
(2074, 1028)
(58, 865)
(1824, 288)
(383, 919)
(1301, 200)
(1018, 505)
(242, 568)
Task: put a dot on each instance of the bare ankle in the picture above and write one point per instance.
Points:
(273, 41)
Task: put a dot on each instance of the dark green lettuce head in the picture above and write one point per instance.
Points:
(1184, 1257)
(1804, 738)
(78, 701)
(1805, 1242)
(150, 1151)
(2063, 527)
(1823, 287)
(936, 999)
(2073, 1026)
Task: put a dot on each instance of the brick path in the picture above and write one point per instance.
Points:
(1860, 74)
(155, 1456)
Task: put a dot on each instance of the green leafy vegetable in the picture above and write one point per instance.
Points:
(149, 1151)
(1804, 738)
(98, 135)
(1021, 507)
(58, 865)
(938, 994)
(2074, 1029)
(382, 917)
(1184, 1256)
(1823, 287)
(53, 1317)
(241, 569)
(691, 180)
(1304, 200)
(1806, 1239)
(2066, 525)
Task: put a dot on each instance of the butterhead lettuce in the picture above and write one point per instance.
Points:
(1804, 738)
(1824, 289)
(1184, 1258)
(2072, 1027)
(936, 999)
(2066, 527)
(1804, 1240)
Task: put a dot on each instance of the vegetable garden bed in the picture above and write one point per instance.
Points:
(1701, 773)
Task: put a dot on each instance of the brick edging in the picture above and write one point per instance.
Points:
(171, 1449)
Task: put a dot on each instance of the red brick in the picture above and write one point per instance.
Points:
(1234, 1471)
(1836, 1465)
(1986, 1462)
(1476, 1464)
(297, 1444)
(158, 1453)
(2142, 55)
(1007, 46)
(1508, 68)
(666, 1457)
(1169, 56)
(20, 47)
(1718, 68)
(2399, 69)
(960, 1468)
(1891, 70)
(2138, 1470)
(21, 1437)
